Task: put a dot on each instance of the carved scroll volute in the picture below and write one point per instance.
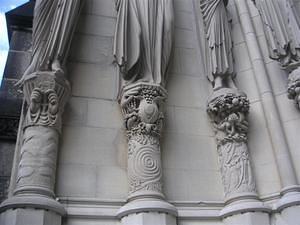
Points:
(142, 107)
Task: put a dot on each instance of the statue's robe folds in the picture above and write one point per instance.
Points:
(218, 35)
(282, 29)
(143, 39)
(53, 25)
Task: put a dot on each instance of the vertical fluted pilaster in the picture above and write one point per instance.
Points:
(142, 107)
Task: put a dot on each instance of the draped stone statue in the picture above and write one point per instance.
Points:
(53, 25)
(143, 39)
(282, 29)
(219, 42)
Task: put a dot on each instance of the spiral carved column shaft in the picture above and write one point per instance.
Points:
(228, 112)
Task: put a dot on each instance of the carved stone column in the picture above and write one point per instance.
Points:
(45, 93)
(142, 107)
(228, 109)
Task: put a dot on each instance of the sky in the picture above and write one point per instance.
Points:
(5, 5)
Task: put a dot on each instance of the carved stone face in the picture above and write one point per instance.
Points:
(148, 112)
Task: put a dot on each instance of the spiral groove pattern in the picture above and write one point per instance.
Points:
(145, 169)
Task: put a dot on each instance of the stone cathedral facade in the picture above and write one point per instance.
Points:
(159, 112)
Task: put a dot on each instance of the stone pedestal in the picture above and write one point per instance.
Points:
(33, 197)
(249, 218)
(288, 207)
(142, 108)
(30, 217)
(149, 218)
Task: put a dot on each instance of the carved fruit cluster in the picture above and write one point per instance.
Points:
(229, 117)
(294, 86)
(142, 110)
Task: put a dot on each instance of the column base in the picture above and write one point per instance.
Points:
(146, 206)
(290, 197)
(149, 218)
(33, 202)
(288, 207)
(249, 218)
(289, 216)
(29, 216)
(244, 206)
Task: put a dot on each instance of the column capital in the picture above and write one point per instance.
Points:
(46, 93)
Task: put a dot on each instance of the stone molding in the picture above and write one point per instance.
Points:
(147, 205)
(91, 208)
